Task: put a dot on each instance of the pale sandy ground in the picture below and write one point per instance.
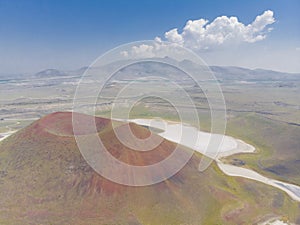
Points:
(206, 143)
(6, 134)
(203, 142)
(275, 221)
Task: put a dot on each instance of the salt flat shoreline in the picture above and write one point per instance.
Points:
(228, 146)
(6, 134)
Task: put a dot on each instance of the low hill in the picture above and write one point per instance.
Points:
(49, 73)
(45, 180)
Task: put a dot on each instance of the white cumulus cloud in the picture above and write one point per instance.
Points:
(201, 34)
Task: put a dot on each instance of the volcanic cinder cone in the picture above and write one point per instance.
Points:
(44, 179)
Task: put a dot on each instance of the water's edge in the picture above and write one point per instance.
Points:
(228, 147)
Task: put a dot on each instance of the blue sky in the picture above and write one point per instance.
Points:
(36, 35)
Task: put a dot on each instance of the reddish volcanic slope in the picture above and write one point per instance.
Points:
(60, 123)
(45, 180)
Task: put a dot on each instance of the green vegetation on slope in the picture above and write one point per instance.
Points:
(45, 180)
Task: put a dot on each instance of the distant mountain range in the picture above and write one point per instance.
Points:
(229, 73)
(239, 73)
